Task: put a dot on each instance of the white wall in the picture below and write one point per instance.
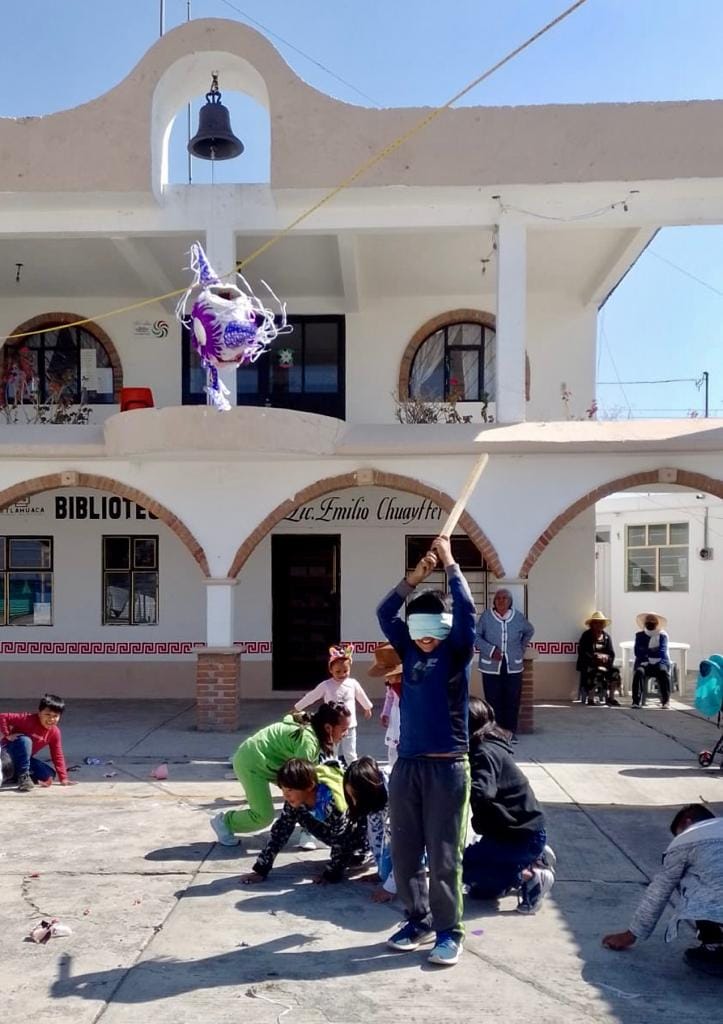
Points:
(77, 577)
(561, 339)
(693, 617)
(146, 361)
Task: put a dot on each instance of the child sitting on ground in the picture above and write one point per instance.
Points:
(259, 758)
(429, 786)
(314, 799)
(340, 688)
(692, 871)
(25, 734)
(365, 788)
(512, 851)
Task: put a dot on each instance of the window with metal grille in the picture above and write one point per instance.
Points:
(455, 363)
(657, 556)
(130, 581)
(467, 556)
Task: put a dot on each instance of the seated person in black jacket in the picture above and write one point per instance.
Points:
(512, 851)
(596, 661)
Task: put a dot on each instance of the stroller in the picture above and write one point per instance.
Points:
(709, 701)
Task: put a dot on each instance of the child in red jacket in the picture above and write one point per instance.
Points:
(24, 734)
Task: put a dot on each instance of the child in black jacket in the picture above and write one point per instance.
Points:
(512, 851)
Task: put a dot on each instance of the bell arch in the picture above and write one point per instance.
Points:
(677, 477)
(372, 478)
(71, 478)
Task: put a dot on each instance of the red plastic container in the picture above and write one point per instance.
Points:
(136, 398)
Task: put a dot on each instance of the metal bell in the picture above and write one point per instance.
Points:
(214, 139)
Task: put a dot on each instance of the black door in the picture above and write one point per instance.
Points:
(305, 599)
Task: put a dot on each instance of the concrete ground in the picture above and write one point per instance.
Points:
(164, 932)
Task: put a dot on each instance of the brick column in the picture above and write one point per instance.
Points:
(218, 689)
(527, 709)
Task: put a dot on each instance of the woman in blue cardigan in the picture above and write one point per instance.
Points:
(651, 658)
(503, 634)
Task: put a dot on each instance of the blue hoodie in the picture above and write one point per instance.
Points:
(435, 686)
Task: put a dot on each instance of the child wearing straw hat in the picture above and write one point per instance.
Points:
(388, 665)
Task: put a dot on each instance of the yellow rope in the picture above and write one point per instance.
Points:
(373, 160)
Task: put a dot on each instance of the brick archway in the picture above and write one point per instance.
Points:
(448, 319)
(70, 478)
(365, 478)
(677, 477)
(45, 320)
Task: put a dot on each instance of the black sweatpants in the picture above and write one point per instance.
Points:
(428, 806)
(659, 672)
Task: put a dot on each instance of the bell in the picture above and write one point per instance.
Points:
(214, 139)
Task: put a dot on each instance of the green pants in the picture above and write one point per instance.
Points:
(257, 787)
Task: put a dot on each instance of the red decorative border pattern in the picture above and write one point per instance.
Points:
(554, 646)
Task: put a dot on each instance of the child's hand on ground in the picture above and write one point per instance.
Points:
(382, 896)
(384, 719)
(619, 940)
(425, 565)
(320, 879)
(442, 547)
(69, 782)
(367, 712)
(252, 878)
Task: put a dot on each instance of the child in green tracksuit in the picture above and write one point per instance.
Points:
(259, 758)
(313, 798)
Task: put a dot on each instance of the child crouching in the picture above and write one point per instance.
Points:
(314, 799)
(24, 735)
(365, 787)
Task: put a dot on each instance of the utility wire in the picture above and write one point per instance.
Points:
(296, 49)
(687, 273)
(668, 380)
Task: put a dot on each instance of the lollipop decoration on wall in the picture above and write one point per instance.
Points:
(229, 325)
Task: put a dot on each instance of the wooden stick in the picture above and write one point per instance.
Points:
(459, 506)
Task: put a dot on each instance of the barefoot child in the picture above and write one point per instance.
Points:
(259, 758)
(314, 799)
(429, 785)
(340, 688)
(25, 734)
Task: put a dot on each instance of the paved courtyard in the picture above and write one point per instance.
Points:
(164, 932)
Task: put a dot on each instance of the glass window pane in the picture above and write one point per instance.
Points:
(116, 600)
(321, 356)
(673, 569)
(641, 569)
(20, 372)
(96, 370)
(636, 536)
(247, 378)
(62, 365)
(30, 598)
(426, 381)
(602, 536)
(678, 533)
(116, 552)
(144, 553)
(464, 375)
(2, 553)
(287, 369)
(658, 534)
(2, 601)
(30, 553)
(145, 598)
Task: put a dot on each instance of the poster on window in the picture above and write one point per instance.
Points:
(104, 380)
(42, 613)
(636, 576)
(88, 369)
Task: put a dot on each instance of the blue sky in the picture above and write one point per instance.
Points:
(659, 323)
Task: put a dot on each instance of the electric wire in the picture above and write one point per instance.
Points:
(368, 164)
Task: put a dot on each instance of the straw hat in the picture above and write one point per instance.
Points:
(640, 619)
(597, 617)
(386, 662)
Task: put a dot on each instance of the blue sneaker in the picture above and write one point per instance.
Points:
(224, 835)
(447, 950)
(409, 937)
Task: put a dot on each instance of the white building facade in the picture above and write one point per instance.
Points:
(179, 551)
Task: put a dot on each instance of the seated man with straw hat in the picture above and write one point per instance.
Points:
(651, 658)
(596, 660)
